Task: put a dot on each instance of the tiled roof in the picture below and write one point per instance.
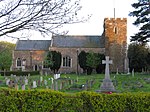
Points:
(33, 44)
(77, 41)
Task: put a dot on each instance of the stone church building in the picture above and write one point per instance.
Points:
(30, 54)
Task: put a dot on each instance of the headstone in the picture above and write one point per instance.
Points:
(133, 73)
(11, 75)
(45, 82)
(58, 76)
(41, 79)
(16, 87)
(23, 86)
(117, 72)
(46, 73)
(77, 78)
(26, 81)
(56, 85)
(52, 80)
(34, 84)
(55, 76)
(128, 71)
(107, 85)
(28, 76)
(7, 81)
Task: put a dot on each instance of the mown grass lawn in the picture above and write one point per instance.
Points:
(122, 82)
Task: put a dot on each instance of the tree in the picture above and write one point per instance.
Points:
(43, 16)
(92, 61)
(82, 60)
(6, 49)
(54, 60)
(142, 13)
(100, 67)
(138, 57)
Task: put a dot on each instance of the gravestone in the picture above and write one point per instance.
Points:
(117, 72)
(52, 84)
(26, 81)
(128, 71)
(16, 87)
(107, 85)
(34, 84)
(45, 82)
(7, 81)
(23, 86)
(133, 73)
(41, 79)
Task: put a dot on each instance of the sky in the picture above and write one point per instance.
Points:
(98, 9)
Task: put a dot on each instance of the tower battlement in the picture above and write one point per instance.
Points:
(116, 19)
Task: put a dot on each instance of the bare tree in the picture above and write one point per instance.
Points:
(38, 15)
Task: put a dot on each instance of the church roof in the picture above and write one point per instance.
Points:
(33, 44)
(77, 41)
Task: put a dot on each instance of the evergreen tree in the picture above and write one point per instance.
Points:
(82, 60)
(6, 49)
(92, 61)
(53, 60)
(138, 57)
(142, 13)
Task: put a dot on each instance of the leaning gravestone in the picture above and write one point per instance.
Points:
(107, 85)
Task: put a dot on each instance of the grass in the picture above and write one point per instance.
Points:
(122, 82)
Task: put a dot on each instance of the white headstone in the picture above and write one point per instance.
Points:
(133, 73)
(128, 71)
(7, 81)
(58, 76)
(45, 82)
(55, 76)
(41, 79)
(26, 81)
(117, 71)
(52, 80)
(23, 87)
(34, 84)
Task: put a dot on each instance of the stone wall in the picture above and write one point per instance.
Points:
(73, 52)
(32, 58)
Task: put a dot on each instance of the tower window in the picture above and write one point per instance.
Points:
(116, 30)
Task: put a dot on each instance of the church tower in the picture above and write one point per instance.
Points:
(115, 31)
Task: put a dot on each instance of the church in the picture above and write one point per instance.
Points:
(30, 54)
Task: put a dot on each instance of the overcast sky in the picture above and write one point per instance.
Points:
(99, 9)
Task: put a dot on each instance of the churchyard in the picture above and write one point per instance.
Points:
(72, 83)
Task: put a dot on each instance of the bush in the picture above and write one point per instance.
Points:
(54, 101)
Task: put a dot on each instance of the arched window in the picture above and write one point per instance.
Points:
(66, 61)
(18, 64)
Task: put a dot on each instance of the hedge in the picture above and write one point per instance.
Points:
(54, 101)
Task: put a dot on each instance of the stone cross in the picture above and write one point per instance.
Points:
(107, 85)
(107, 62)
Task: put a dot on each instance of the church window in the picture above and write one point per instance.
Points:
(66, 61)
(18, 62)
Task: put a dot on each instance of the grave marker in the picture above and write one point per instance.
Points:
(107, 85)
(23, 86)
(34, 84)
